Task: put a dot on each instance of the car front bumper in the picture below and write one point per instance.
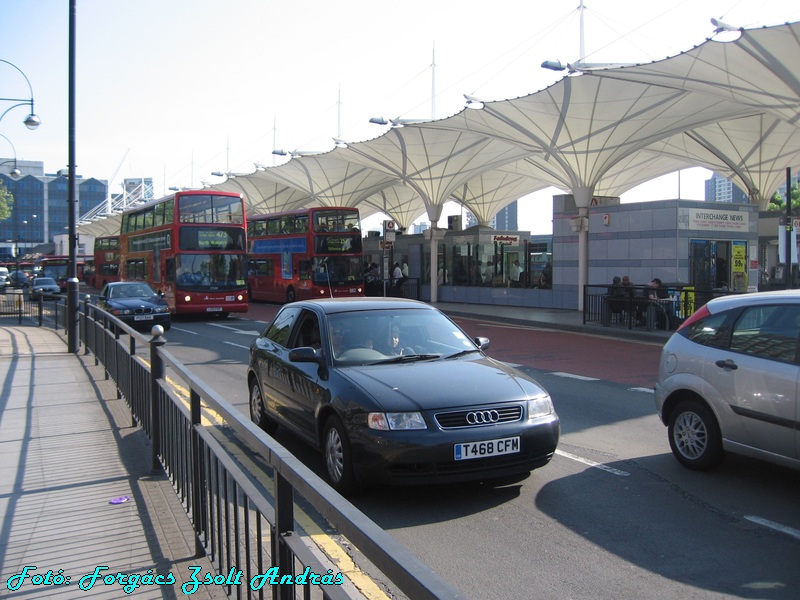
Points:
(427, 457)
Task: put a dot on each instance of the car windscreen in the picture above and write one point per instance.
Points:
(415, 331)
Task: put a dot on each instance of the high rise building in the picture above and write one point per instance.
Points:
(506, 219)
(41, 205)
(720, 189)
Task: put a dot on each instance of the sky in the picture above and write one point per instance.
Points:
(177, 89)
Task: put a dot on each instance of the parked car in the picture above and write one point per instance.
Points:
(18, 279)
(727, 381)
(135, 304)
(392, 391)
(44, 288)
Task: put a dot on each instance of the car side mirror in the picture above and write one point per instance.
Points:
(482, 343)
(305, 354)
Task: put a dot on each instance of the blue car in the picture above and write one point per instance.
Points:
(136, 304)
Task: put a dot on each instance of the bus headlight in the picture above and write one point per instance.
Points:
(187, 298)
(240, 297)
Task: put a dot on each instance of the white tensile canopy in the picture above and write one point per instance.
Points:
(732, 107)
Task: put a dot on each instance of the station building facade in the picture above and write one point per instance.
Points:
(706, 245)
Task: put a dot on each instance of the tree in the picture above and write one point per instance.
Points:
(777, 203)
(6, 202)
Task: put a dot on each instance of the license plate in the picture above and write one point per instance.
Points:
(214, 309)
(143, 318)
(487, 448)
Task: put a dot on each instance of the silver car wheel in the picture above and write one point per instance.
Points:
(258, 411)
(256, 404)
(690, 435)
(694, 435)
(334, 455)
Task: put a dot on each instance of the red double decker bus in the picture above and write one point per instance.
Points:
(106, 262)
(57, 267)
(192, 247)
(311, 253)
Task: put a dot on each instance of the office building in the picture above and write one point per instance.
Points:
(41, 205)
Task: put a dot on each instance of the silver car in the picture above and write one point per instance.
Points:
(728, 381)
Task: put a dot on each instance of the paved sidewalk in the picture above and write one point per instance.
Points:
(76, 488)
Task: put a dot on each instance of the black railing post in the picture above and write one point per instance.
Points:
(40, 306)
(198, 476)
(85, 324)
(156, 373)
(284, 527)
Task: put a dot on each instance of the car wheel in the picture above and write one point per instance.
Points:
(258, 412)
(694, 436)
(338, 459)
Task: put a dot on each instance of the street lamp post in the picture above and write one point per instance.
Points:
(15, 172)
(72, 201)
(32, 121)
(16, 258)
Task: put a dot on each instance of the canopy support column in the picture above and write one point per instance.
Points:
(583, 196)
(436, 234)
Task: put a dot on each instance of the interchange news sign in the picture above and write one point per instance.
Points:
(713, 220)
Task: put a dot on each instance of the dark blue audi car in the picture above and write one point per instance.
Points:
(393, 391)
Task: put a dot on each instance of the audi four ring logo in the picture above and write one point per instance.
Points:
(480, 417)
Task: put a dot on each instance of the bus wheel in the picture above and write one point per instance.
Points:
(291, 295)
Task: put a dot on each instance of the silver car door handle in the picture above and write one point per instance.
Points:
(727, 364)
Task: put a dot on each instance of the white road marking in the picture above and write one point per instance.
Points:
(237, 345)
(572, 376)
(183, 330)
(791, 531)
(234, 329)
(591, 463)
(642, 389)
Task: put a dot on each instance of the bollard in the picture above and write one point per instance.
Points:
(156, 373)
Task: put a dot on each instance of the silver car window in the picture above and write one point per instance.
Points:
(770, 332)
(710, 331)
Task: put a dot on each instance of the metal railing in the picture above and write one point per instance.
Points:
(16, 305)
(631, 307)
(238, 485)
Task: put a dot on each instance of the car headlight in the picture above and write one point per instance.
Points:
(162, 309)
(541, 406)
(396, 421)
(120, 311)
